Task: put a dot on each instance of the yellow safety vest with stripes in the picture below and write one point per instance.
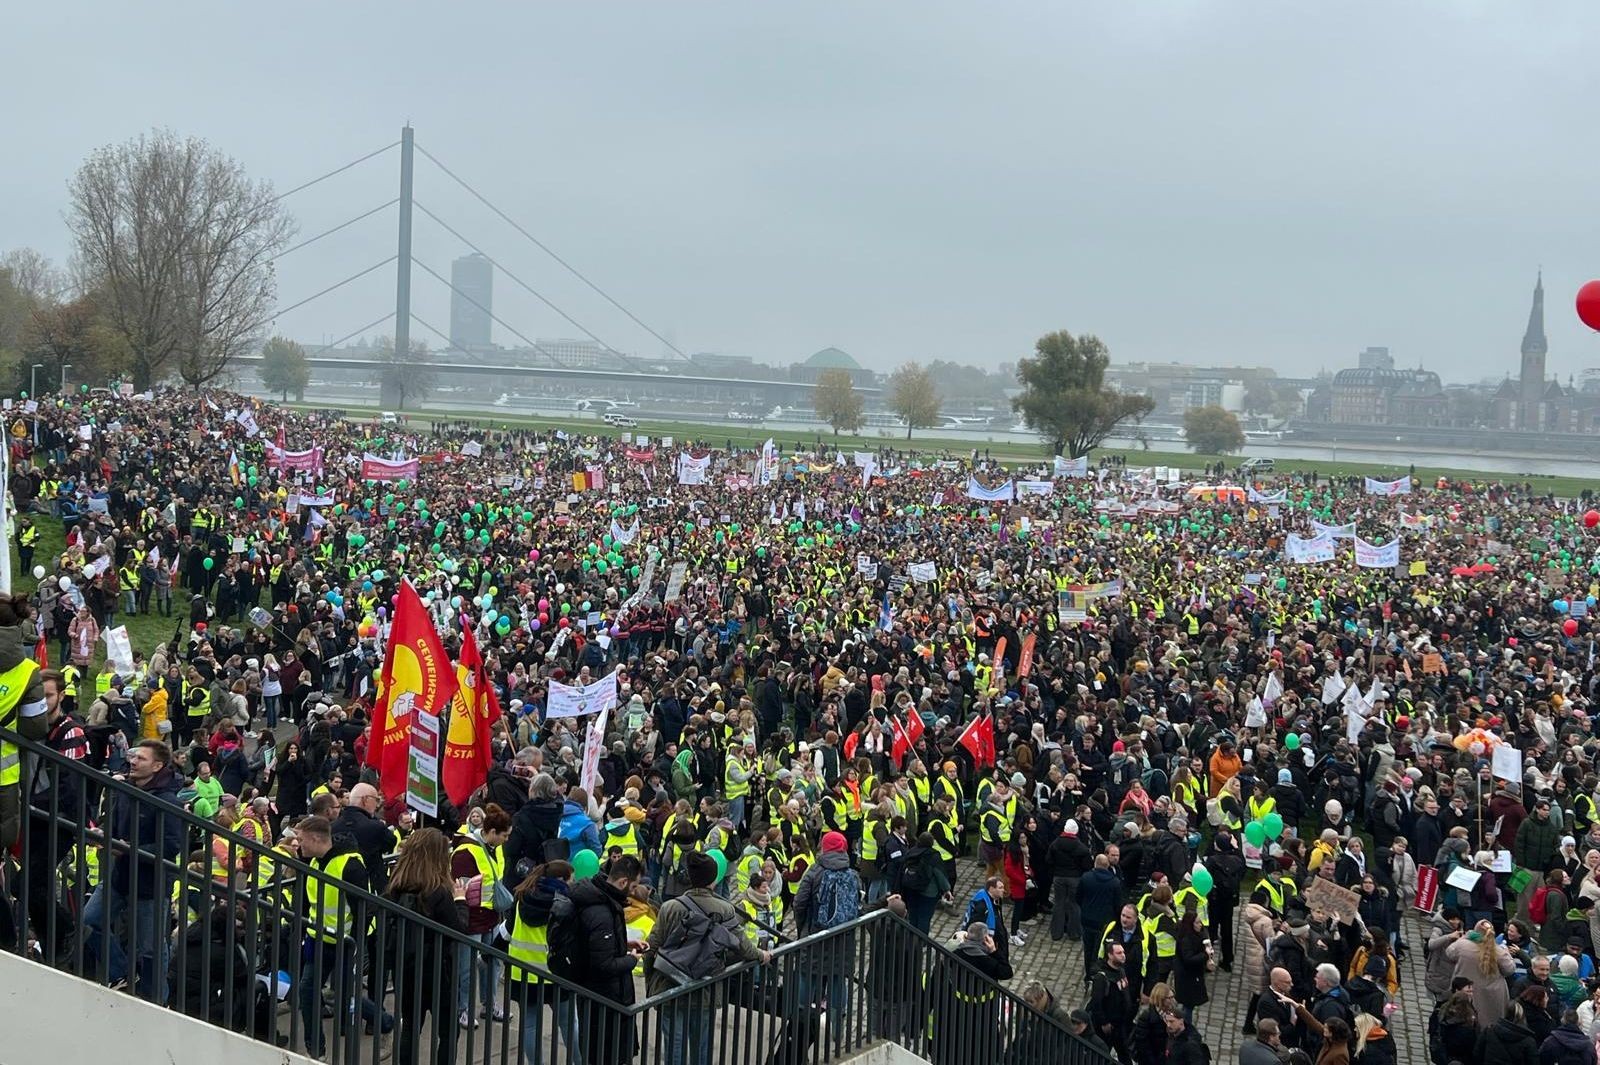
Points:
(1276, 893)
(1180, 899)
(489, 866)
(869, 840)
(731, 788)
(624, 839)
(13, 686)
(1166, 942)
(771, 916)
(332, 915)
(1261, 809)
(529, 944)
(945, 831)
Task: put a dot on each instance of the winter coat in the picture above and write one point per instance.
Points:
(1189, 973)
(1440, 968)
(1536, 843)
(1379, 1050)
(1257, 921)
(1489, 996)
(1567, 1045)
(804, 896)
(579, 829)
(1100, 898)
(153, 820)
(1149, 1040)
(537, 823)
(599, 958)
(1506, 1042)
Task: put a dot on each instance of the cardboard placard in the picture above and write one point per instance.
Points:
(1329, 897)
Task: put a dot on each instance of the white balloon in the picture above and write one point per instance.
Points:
(65, 583)
(38, 573)
(561, 589)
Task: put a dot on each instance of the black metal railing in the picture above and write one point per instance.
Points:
(117, 885)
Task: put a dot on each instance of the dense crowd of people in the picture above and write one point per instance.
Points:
(1161, 730)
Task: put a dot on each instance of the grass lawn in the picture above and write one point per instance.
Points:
(144, 630)
(743, 436)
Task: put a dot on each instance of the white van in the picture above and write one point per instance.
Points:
(389, 417)
(621, 421)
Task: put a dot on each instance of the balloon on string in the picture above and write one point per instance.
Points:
(1201, 880)
(1570, 627)
(722, 865)
(586, 863)
(1292, 741)
(1273, 824)
(38, 573)
(1255, 834)
(1559, 606)
(208, 563)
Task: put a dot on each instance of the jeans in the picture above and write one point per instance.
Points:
(270, 702)
(153, 949)
(532, 1027)
(488, 975)
(877, 888)
(685, 1026)
(321, 963)
(736, 811)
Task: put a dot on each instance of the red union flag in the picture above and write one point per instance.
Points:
(1427, 888)
(473, 714)
(416, 675)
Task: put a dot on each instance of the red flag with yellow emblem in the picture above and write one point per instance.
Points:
(473, 714)
(416, 676)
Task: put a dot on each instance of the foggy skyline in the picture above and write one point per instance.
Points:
(1233, 184)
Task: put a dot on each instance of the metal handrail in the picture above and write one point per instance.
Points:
(231, 951)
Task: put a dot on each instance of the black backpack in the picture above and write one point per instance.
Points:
(916, 873)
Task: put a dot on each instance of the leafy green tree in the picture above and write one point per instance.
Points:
(284, 368)
(913, 396)
(1211, 430)
(1064, 398)
(837, 402)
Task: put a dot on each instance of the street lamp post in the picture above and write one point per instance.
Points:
(33, 394)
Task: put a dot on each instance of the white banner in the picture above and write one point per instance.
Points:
(1371, 556)
(1036, 488)
(1347, 531)
(619, 535)
(1416, 521)
(1271, 499)
(571, 700)
(472, 449)
(923, 572)
(675, 582)
(1332, 687)
(862, 459)
(594, 741)
(247, 422)
(119, 651)
(1400, 486)
(692, 470)
(767, 472)
(1506, 762)
(422, 763)
(999, 493)
(1303, 550)
(1078, 467)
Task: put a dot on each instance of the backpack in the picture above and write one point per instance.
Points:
(1538, 904)
(916, 874)
(698, 947)
(837, 900)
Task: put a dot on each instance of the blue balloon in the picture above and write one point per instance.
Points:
(377, 574)
(1559, 606)
(455, 601)
(1589, 599)
(366, 586)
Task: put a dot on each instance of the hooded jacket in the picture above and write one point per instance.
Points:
(599, 949)
(579, 829)
(161, 835)
(1507, 1043)
(1567, 1045)
(537, 823)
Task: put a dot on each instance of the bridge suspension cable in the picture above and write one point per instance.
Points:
(337, 170)
(330, 232)
(542, 246)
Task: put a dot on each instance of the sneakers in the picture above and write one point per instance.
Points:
(1017, 941)
(465, 1022)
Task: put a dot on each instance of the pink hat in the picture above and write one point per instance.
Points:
(833, 841)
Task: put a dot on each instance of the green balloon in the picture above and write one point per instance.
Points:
(566, 608)
(587, 565)
(1292, 741)
(585, 863)
(602, 566)
(208, 562)
(1281, 583)
(1201, 879)
(722, 865)
(633, 571)
(1273, 823)
(1255, 834)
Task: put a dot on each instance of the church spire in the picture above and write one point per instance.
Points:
(1533, 341)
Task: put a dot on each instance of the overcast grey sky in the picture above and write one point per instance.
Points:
(1245, 183)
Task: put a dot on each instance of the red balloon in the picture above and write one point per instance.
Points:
(1570, 627)
(1589, 304)
(1591, 518)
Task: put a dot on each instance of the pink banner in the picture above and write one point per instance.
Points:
(310, 459)
(374, 468)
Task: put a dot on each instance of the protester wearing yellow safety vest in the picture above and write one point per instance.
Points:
(737, 773)
(329, 954)
(1274, 891)
(22, 710)
(1160, 923)
(481, 854)
(543, 900)
(995, 826)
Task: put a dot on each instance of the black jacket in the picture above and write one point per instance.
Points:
(371, 839)
(1069, 856)
(537, 823)
(507, 790)
(1507, 1043)
(1567, 1045)
(160, 834)
(1100, 897)
(597, 956)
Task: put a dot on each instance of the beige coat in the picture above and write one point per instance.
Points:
(1257, 920)
(1489, 996)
